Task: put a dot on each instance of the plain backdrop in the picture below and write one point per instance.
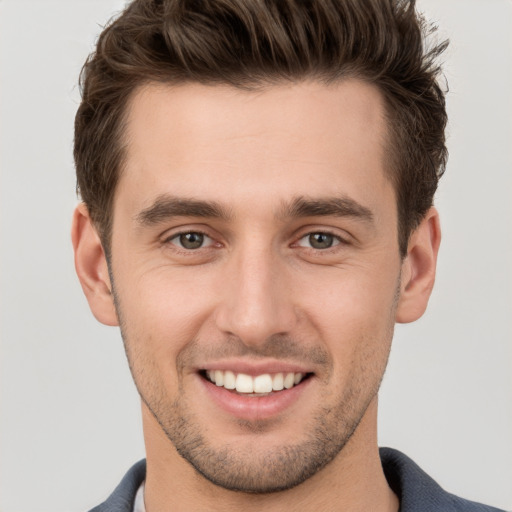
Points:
(69, 413)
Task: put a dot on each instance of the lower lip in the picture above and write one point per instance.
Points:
(255, 407)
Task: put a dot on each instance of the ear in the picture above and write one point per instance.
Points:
(91, 267)
(419, 269)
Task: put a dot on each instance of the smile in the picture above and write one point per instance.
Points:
(257, 385)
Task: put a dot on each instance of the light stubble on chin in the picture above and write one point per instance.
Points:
(243, 468)
(240, 466)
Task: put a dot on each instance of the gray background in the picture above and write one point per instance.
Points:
(69, 413)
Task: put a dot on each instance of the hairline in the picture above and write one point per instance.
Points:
(389, 142)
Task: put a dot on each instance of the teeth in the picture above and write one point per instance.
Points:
(244, 383)
(289, 380)
(264, 383)
(219, 378)
(278, 382)
(229, 380)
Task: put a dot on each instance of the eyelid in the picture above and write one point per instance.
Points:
(168, 238)
(336, 241)
(344, 239)
(183, 229)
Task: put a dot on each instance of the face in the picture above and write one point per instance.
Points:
(256, 272)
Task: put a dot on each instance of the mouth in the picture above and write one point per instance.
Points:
(261, 385)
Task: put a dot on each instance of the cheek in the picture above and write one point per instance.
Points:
(348, 298)
(352, 312)
(163, 309)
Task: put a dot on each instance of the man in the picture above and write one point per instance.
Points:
(257, 184)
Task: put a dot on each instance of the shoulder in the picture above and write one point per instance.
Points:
(417, 491)
(123, 497)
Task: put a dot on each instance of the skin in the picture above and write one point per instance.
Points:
(257, 291)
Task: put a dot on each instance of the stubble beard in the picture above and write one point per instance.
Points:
(244, 469)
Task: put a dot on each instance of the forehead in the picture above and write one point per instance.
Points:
(233, 145)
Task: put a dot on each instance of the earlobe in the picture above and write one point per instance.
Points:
(419, 269)
(91, 267)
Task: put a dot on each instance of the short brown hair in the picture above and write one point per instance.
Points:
(250, 43)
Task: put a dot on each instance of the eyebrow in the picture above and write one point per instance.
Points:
(166, 207)
(327, 207)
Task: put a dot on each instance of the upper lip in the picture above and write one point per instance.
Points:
(254, 368)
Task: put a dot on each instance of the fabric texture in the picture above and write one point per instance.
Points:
(123, 497)
(416, 491)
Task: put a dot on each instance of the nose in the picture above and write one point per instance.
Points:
(256, 300)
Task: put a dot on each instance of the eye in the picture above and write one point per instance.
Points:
(319, 240)
(191, 240)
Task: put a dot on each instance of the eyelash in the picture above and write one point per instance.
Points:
(337, 241)
(174, 236)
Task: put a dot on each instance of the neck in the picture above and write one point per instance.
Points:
(354, 480)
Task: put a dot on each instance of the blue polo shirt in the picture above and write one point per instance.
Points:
(416, 491)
